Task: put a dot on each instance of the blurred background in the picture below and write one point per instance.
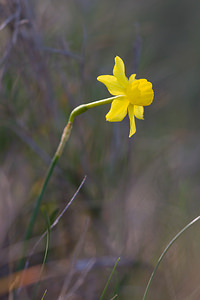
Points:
(139, 192)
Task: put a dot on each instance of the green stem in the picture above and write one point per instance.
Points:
(84, 107)
(165, 251)
(35, 210)
(64, 138)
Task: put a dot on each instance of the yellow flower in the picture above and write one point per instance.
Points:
(133, 95)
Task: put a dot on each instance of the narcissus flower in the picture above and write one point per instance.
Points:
(133, 95)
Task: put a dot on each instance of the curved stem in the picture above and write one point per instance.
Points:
(84, 107)
(165, 251)
(64, 138)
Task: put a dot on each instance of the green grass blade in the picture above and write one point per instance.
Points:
(165, 251)
(109, 279)
(44, 295)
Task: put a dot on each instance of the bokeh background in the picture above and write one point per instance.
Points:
(139, 192)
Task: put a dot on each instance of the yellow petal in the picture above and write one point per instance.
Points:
(132, 78)
(140, 92)
(132, 119)
(118, 110)
(112, 84)
(119, 72)
(139, 112)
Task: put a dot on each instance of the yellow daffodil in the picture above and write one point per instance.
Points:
(133, 95)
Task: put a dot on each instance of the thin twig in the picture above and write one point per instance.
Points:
(7, 21)
(62, 52)
(59, 217)
(22, 133)
(137, 49)
(72, 269)
(14, 35)
(114, 297)
(80, 280)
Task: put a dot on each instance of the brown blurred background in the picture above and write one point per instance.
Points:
(139, 192)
